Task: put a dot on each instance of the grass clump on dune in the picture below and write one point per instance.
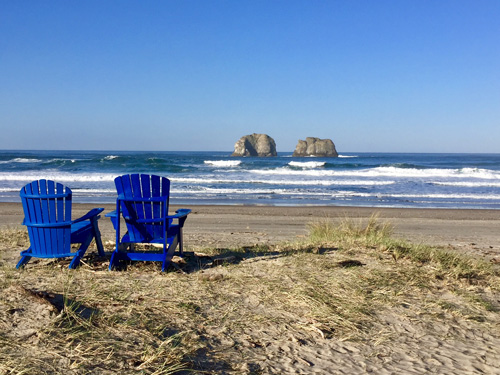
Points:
(373, 234)
(349, 232)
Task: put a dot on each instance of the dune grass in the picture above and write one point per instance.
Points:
(215, 317)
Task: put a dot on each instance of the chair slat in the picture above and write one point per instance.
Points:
(157, 206)
(40, 234)
(54, 238)
(44, 205)
(165, 187)
(152, 229)
(137, 193)
(146, 193)
(64, 215)
(144, 230)
(68, 204)
(30, 216)
(126, 191)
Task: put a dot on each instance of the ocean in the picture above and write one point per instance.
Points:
(353, 179)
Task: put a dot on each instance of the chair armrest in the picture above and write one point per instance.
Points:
(179, 213)
(89, 215)
(111, 214)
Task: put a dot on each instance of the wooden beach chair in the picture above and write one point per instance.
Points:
(142, 203)
(47, 214)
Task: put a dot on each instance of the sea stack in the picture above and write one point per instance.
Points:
(316, 147)
(255, 145)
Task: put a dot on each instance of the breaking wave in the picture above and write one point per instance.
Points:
(223, 163)
(307, 164)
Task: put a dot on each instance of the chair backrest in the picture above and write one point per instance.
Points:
(152, 198)
(47, 214)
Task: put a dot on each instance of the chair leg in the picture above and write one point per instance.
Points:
(81, 252)
(25, 259)
(169, 253)
(97, 235)
(112, 261)
(74, 262)
(181, 243)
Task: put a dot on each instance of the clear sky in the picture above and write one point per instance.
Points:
(374, 76)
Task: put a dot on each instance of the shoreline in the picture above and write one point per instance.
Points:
(470, 230)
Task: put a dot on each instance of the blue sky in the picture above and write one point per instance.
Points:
(374, 76)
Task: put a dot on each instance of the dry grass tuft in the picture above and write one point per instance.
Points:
(14, 237)
(350, 232)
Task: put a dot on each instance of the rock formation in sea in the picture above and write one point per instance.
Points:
(255, 145)
(315, 147)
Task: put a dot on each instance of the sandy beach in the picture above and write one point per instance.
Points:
(476, 231)
(416, 331)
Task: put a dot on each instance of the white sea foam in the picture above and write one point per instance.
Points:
(432, 196)
(392, 172)
(435, 172)
(196, 181)
(307, 164)
(111, 157)
(20, 160)
(347, 156)
(61, 159)
(335, 194)
(94, 191)
(57, 176)
(223, 163)
(467, 184)
(9, 190)
(247, 192)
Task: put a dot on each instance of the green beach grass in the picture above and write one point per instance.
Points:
(218, 311)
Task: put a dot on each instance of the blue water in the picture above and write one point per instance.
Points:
(354, 179)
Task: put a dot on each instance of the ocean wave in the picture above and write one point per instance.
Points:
(110, 157)
(381, 172)
(59, 162)
(196, 181)
(467, 184)
(307, 164)
(62, 159)
(247, 192)
(348, 156)
(94, 191)
(20, 160)
(58, 176)
(334, 194)
(435, 196)
(9, 190)
(223, 163)
(435, 172)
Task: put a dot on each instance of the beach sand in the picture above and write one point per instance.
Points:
(415, 344)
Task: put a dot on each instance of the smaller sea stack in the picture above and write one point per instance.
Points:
(316, 147)
(255, 145)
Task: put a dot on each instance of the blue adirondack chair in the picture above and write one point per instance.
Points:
(47, 214)
(143, 202)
